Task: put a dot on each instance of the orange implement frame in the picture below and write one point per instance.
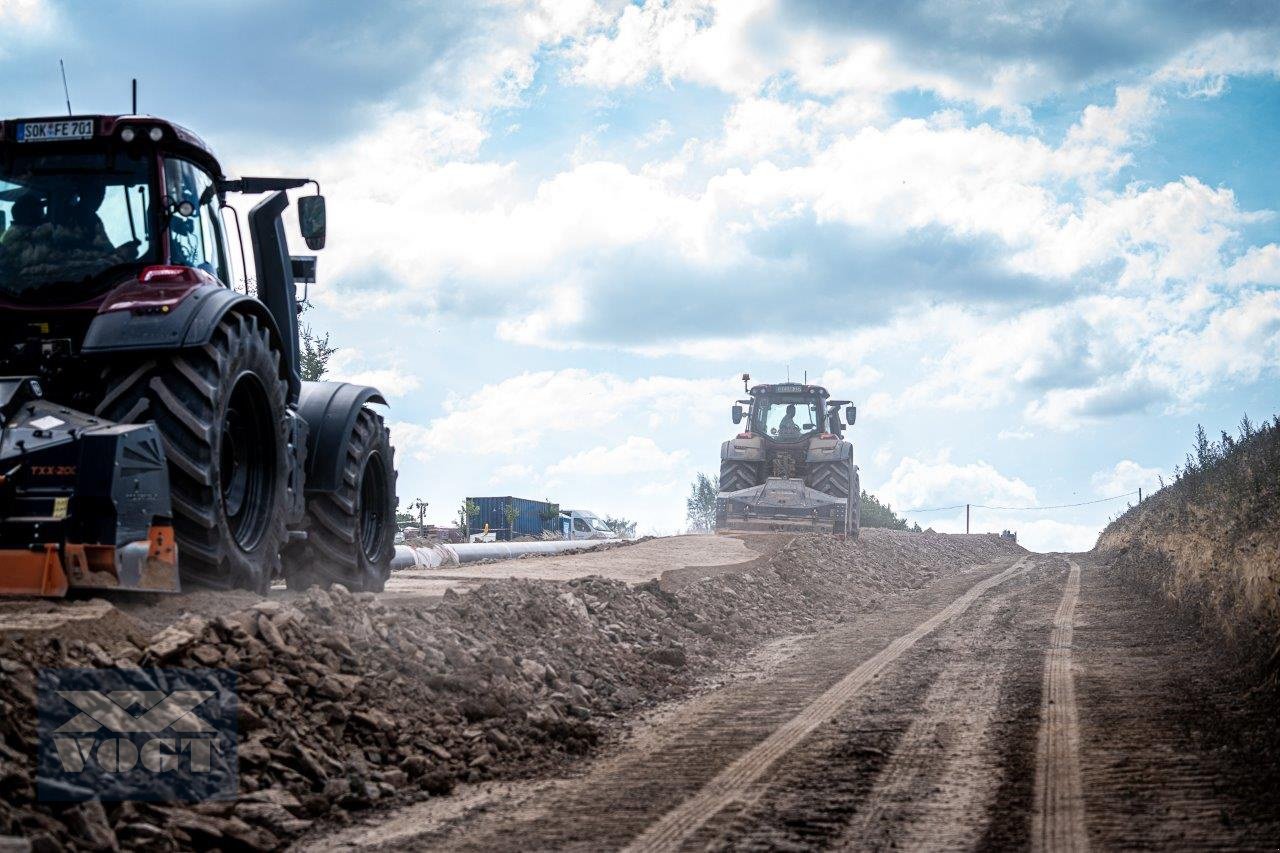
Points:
(44, 573)
(24, 572)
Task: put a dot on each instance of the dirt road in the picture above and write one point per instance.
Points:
(1028, 702)
(699, 554)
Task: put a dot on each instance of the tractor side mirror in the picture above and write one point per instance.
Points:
(738, 414)
(311, 221)
(850, 415)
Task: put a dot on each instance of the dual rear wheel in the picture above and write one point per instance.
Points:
(221, 412)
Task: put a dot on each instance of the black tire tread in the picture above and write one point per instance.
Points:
(735, 475)
(840, 480)
(183, 394)
(331, 552)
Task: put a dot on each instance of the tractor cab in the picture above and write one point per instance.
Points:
(89, 203)
(791, 412)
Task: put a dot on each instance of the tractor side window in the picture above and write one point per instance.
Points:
(195, 229)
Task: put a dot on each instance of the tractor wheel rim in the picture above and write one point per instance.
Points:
(372, 510)
(248, 462)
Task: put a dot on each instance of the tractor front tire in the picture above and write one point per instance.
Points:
(736, 475)
(220, 410)
(351, 531)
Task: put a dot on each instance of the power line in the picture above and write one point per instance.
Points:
(938, 509)
(1021, 508)
(1059, 506)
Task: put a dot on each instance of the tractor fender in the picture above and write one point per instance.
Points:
(190, 323)
(828, 450)
(330, 410)
(742, 450)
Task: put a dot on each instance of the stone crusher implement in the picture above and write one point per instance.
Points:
(153, 404)
(83, 503)
(791, 469)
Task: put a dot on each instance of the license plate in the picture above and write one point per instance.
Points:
(52, 131)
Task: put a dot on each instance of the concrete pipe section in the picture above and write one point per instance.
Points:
(435, 556)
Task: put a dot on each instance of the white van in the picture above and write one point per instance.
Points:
(581, 524)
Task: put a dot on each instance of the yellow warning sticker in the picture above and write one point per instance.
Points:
(60, 507)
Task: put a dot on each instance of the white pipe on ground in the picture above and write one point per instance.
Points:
(435, 556)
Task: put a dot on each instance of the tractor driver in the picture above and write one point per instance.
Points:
(788, 427)
(69, 243)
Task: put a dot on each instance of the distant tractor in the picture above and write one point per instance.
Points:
(790, 468)
(154, 416)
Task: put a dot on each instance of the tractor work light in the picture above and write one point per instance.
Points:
(156, 134)
(128, 134)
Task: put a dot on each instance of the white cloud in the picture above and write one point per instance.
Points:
(505, 474)
(660, 132)
(915, 484)
(1140, 324)
(1125, 477)
(1258, 265)
(518, 413)
(1203, 68)
(634, 456)
(350, 364)
(26, 14)
(1015, 434)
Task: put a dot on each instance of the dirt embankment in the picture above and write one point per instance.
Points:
(347, 702)
(1210, 543)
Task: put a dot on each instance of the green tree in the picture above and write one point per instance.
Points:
(466, 513)
(315, 355)
(877, 514)
(701, 504)
(621, 526)
(313, 359)
(511, 512)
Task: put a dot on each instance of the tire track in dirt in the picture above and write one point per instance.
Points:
(936, 790)
(1058, 823)
(736, 783)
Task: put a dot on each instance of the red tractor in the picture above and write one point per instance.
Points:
(146, 398)
(790, 468)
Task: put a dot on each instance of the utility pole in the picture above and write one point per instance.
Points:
(1139, 494)
(966, 518)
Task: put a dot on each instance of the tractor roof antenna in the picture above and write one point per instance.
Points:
(135, 97)
(65, 90)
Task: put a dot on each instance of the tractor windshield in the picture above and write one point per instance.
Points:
(787, 417)
(72, 223)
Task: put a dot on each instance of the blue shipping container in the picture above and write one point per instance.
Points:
(529, 522)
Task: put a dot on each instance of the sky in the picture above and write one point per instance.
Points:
(1036, 243)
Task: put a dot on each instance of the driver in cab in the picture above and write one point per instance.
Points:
(68, 241)
(788, 427)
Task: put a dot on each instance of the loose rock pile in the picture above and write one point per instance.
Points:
(348, 702)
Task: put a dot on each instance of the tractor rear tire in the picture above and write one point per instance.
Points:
(220, 410)
(351, 531)
(840, 480)
(738, 475)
